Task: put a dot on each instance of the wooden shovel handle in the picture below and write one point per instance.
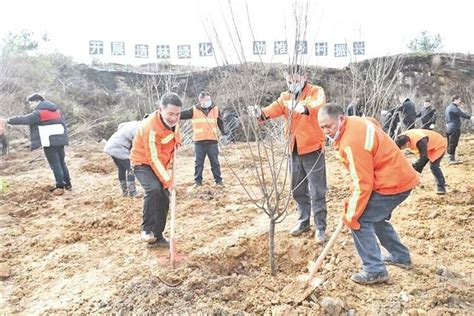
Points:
(325, 251)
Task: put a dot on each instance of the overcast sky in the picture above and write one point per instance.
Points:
(385, 26)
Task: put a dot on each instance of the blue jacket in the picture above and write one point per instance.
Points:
(47, 125)
(453, 115)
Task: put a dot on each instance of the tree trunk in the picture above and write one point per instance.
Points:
(271, 247)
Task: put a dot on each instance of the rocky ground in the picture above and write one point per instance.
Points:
(81, 252)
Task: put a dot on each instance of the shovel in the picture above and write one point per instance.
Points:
(173, 255)
(307, 283)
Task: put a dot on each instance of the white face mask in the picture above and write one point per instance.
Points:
(295, 87)
(207, 104)
(337, 135)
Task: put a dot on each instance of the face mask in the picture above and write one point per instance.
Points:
(336, 136)
(295, 87)
(207, 104)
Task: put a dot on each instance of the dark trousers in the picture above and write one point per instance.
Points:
(125, 172)
(4, 141)
(308, 183)
(436, 171)
(374, 223)
(453, 140)
(212, 152)
(55, 156)
(156, 201)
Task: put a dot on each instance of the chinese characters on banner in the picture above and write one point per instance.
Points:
(206, 49)
(141, 51)
(118, 48)
(259, 48)
(96, 47)
(340, 50)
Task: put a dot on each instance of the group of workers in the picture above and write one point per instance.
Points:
(381, 176)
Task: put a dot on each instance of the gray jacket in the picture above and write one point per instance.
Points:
(120, 143)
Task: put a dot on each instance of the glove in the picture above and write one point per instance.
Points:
(298, 108)
(432, 126)
(224, 140)
(384, 112)
(254, 111)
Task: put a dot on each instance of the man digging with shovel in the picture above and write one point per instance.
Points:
(382, 179)
(152, 154)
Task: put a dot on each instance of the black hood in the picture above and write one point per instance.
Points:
(47, 105)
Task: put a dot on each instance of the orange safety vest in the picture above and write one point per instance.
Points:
(375, 164)
(302, 129)
(437, 144)
(205, 127)
(154, 145)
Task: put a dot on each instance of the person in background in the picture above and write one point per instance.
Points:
(382, 178)
(206, 119)
(431, 147)
(427, 115)
(407, 111)
(3, 135)
(118, 147)
(452, 117)
(48, 130)
(152, 155)
(355, 108)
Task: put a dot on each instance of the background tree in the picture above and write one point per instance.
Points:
(426, 43)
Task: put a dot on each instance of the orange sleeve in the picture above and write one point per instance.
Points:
(318, 99)
(360, 165)
(276, 109)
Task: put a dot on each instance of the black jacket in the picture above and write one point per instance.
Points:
(353, 109)
(188, 114)
(408, 113)
(428, 116)
(47, 125)
(453, 115)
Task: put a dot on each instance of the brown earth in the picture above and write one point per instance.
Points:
(81, 253)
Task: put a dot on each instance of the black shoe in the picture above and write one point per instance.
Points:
(159, 243)
(68, 187)
(56, 188)
(388, 259)
(299, 229)
(366, 278)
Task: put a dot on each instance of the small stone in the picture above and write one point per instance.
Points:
(403, 296)
(332, 305)
(4, 271)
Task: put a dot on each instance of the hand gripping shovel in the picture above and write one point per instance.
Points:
(173, 255)
(306, 284)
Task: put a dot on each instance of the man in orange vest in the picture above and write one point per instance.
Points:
(206, 119)
(300, 105)
(431, 147)
(151, 156)
(382, 179)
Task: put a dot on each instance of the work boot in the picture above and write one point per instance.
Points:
(132, 190)
(441, 191)
(159, 243)
(366, 278)
(68, 185)
(148, 237)
(320, 236)
(220, 185)
(388, 259)
(454, 161)
(299, 229)
(197, 185)
(123, 186)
